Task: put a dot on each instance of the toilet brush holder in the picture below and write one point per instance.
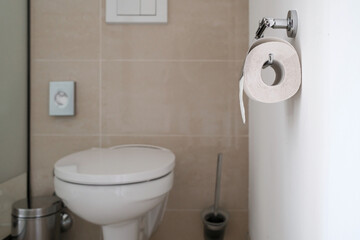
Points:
(214, 226)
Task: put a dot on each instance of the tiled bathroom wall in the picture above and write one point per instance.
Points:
(172, 85)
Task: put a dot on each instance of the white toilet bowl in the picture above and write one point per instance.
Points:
(124, 189)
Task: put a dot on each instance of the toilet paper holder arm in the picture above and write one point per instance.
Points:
(290, 24)
(269, 62)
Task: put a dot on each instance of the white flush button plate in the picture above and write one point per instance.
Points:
(62, 98)
(136, 11)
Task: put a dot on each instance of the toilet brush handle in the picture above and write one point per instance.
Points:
(217, 185)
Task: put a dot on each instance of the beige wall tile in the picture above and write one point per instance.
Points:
(65, 29)
(46, 151)
(86, 76)
(195, 169)
(187, 225)
(196, 30)
(182, 98)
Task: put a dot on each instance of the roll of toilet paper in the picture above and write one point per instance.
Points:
(286, 66)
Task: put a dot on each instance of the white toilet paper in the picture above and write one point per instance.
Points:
(286, 66)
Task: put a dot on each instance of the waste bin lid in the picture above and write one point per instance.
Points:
(40, 207)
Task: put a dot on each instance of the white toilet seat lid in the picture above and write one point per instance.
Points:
(122, 164)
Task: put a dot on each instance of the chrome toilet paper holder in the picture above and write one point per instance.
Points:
(290, 24)
(269, 62)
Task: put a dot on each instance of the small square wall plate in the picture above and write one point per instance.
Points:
(62, 98)
(136, 11)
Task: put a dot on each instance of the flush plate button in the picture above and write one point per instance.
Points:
(128, 7)
(136, 7)
(62, 98)
(148, 7)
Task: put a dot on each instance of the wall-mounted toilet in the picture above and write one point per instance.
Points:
(124, 188)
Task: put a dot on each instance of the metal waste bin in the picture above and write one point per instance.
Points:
(43, 220)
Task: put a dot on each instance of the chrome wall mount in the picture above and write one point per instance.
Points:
(269, 62)
(290, 24)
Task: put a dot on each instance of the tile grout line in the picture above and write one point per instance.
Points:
(64, 60)
(64, 135)
(140, 60)
(199, 210)
(100, 73)
(100, 84)
(170, 60)
(174, 135)
(140, 135)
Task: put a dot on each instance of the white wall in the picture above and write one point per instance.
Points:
(305, 152)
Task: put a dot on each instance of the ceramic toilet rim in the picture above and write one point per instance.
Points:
(124, 164)
(113, 184)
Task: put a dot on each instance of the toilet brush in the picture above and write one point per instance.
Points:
(215, 219)
(217, 185)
